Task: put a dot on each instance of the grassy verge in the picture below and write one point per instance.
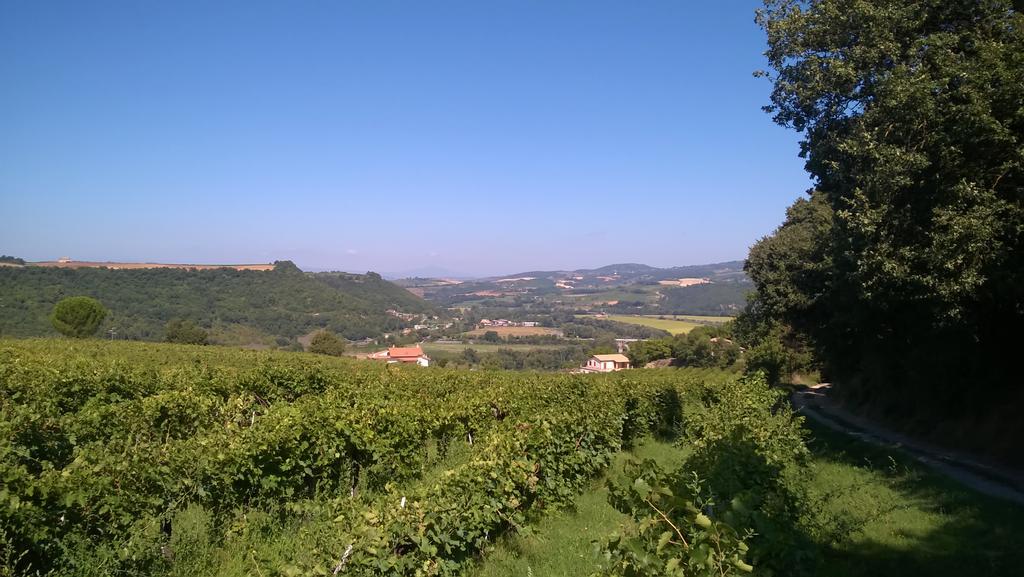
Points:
(886, 516)
(562, 543)
(902, 519)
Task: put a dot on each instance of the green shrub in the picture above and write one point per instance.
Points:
(675, 535)
(185, 332)
(769, 358)
(78, 317)
(737, 500)
(327, 343)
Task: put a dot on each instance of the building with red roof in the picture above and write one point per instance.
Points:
(403, 355)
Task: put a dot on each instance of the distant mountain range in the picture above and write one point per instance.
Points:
(428, 272)
(629, 272)
(628, 288)
(632, 273)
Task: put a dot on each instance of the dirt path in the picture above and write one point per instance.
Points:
(982, 477)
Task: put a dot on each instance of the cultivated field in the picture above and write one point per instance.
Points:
(142, 459)
(124, 458)
(516, 331)
(673, 326)
(700, 319)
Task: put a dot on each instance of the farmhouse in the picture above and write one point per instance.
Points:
(606, 363)
(403, 355)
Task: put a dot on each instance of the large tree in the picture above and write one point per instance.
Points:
(327, 343)
(912, 114)
(78, 317)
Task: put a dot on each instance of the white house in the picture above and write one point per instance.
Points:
(606, 363)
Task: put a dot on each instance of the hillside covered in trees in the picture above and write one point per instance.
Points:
(238, 307)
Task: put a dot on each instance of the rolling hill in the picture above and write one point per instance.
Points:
(710, 289)
(243, 307)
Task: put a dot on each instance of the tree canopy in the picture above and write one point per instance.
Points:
(235, 306)
(78, 317)
(186, 332)
(904, 268)
(327, 343)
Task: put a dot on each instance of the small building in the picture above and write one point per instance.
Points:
(623, 344)
(606, 363)
(403, 355)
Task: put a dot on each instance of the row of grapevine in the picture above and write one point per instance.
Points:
(103, 445)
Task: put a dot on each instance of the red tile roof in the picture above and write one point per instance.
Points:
(404, 352)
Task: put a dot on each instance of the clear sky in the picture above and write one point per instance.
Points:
(481, 137)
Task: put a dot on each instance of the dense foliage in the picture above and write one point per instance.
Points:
(707, 346)
(737, 501)
(77, 317)
(236, 306)
(133, 458)
(327, 343)
(714, 299)
(581, 327)
(546, 359)
(185, 332)
(903, 270)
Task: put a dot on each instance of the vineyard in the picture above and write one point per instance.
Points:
(141, 459)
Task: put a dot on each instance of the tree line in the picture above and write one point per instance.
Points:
(899, 275)
(282, 304)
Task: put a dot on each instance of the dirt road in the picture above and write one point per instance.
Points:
(982, 477)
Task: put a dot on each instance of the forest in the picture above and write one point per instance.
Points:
(900, 273)
(237, 307)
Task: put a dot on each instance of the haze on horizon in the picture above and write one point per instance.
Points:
(474, 138)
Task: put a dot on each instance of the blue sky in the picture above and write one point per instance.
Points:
(478, 137)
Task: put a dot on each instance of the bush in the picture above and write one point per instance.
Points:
(327, 343)
(768, 357)
(642, 352)
(675, 535)
(78, 317)
(738, 496)
(185, 332)
(751, 449)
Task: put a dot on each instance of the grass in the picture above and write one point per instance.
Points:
(907, 520)
(673, 326)
(895, 519)
(562, 543)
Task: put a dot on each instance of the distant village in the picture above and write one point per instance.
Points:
(487, 323)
